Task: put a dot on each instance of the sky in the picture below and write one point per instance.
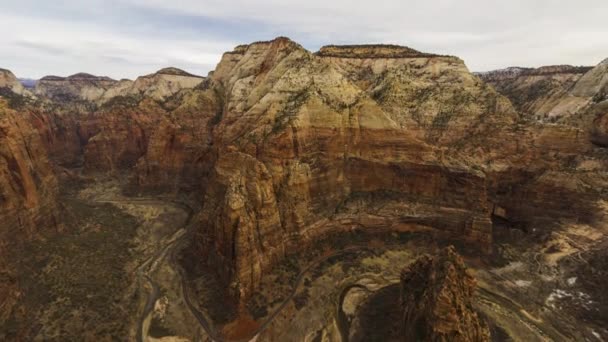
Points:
(129, 38)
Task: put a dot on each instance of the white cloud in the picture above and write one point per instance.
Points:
(126, 38)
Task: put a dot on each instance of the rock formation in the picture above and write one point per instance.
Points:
(436, 298)
(84, 87)
(28, 189)
(100, 89)
(281, 146)
(538, 93)
(300, 134)
(552, 93)
(161, 84)
(10, 82)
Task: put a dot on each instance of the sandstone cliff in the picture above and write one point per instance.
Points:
(28, 189)
(301, 134)
(158, 86)
(536, 93)
(436, 299)
(571, 96)
(84, 87)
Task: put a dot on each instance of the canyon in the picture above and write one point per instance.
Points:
(279, 198)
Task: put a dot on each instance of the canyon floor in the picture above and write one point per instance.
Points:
(132, 280)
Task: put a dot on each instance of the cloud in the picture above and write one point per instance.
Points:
(127, 38)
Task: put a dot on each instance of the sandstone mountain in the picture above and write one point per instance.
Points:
(572, 95)
(76, 87)
(537, 93)
(100, 89)
(160, 85)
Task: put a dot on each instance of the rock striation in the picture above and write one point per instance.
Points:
(550, 93)
(158, 86)
(564, 94)
(81, 86)
(436, 299)
(300, 135)
(100, 89)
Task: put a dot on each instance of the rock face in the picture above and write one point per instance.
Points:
(84, 87)
(434, 96)
(158, 86)
(575, 96)
(436, 298)
(302, 134)
(28, 190)
(10, 82)
(100, 89)
(539, 93)
(599, 126)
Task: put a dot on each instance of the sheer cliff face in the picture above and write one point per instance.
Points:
(28, 190)
(301, 134)
(436, 300)
(28, 181)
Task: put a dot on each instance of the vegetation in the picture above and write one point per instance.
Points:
(78, 279)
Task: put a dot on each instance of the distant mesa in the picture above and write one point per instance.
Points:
(371, 51)
(81, 76)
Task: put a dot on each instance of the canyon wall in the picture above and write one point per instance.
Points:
(28, 203)
(281, 146)
(302, 134)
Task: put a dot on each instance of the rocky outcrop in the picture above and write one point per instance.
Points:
(371, 51)
(10, 82)
(594, 83)
(436, 299)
